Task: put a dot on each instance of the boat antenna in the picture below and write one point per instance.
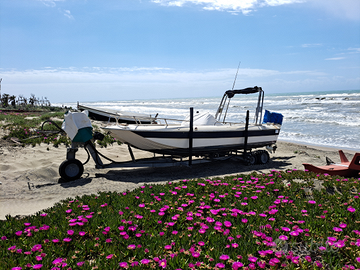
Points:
(236, 75)
(227, 107)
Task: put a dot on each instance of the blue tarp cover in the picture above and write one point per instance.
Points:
(272, 117)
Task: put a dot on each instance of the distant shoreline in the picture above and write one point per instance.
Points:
(322, 147)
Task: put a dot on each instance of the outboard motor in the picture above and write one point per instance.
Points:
(78, 127)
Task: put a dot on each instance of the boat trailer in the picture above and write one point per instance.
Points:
(82, 136)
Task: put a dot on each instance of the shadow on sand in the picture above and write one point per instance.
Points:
(205, 170)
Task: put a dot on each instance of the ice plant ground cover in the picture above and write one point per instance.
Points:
(267, 221)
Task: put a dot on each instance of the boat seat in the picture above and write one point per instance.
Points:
(355, 162)
(204, 119)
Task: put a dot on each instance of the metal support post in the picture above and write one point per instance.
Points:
(191, 130)
(94, 155)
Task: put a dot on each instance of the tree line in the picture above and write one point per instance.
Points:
(21, 101)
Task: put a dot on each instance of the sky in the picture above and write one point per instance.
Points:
(96, 50)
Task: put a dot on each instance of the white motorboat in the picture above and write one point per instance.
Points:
(202, 134)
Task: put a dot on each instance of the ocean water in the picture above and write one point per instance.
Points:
(330, 119)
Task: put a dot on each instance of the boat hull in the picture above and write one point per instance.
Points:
(205, 140)
(336, 169)
(111, 115)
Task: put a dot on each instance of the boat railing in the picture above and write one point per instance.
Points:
(154, 120)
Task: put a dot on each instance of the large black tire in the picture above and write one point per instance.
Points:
(250, 159)
(71, 170)
(262, 157)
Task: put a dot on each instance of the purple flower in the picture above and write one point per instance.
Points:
(312, 202)
(220, 265)
(37, 266)
(224, 257)
(295, 260)
(227, 224)
(38, 258)
(274, 261)
(294, 233)
(57, 261)
(237, 265)
(339, 244)
(123, 264)
(261, 264)
(163, 263)
(196, 254)
(252, 259)
(36, 248)
(351, 209)
(145, 261)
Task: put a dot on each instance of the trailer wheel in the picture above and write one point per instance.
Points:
(71, 170)
(262, 157)
(250, 159)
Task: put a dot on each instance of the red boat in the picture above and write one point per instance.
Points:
(345, 168)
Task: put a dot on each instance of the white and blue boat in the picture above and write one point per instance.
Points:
(202, 134)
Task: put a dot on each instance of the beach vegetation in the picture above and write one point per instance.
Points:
(255, 221)
(8, 101)
(43, 126)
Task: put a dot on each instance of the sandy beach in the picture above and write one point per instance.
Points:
(30, 181)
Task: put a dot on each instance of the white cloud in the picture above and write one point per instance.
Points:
(354, 50)
(50, 3)
(98, 83)
(67, 13)
(346, 9)
(311, 45)
(244, 6)
(281, 2)
(335, 58)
